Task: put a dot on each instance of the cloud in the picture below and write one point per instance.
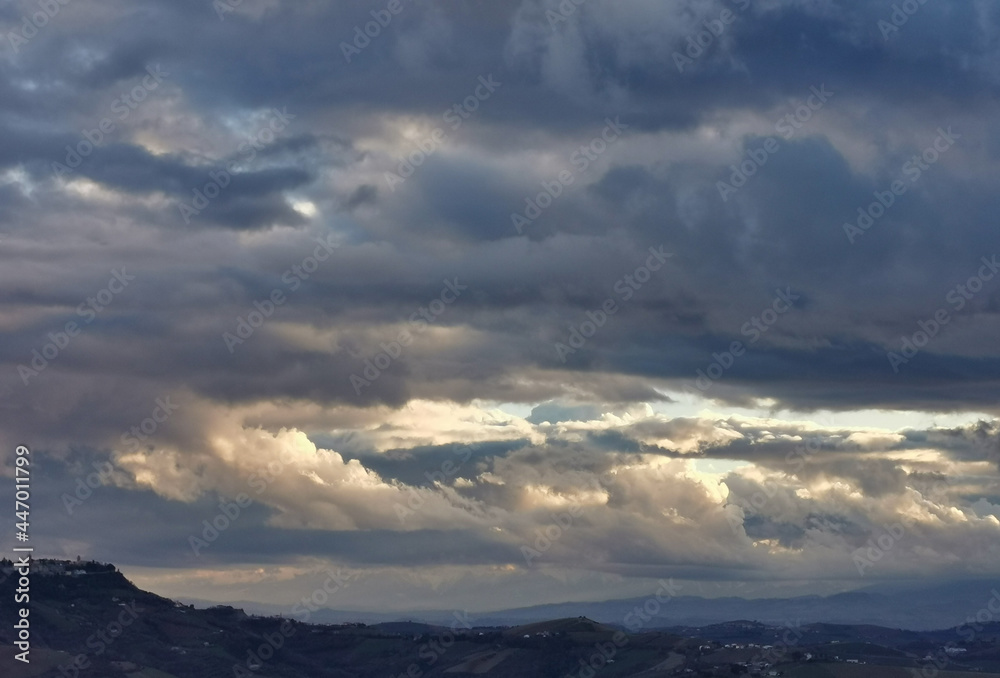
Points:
(663, 468)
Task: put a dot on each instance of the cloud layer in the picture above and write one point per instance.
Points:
(716, 280)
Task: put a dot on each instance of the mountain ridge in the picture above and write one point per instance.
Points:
(911, 607)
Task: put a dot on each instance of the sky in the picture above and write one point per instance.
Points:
(497, 303)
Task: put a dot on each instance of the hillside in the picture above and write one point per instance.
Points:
(89, 621)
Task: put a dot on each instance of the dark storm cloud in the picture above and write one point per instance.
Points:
(979, 442)
(422, 465)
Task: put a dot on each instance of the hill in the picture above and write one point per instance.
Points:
(915, 606)
(89, 621)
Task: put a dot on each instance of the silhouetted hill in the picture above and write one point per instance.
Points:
(912, 607)
(89, 621)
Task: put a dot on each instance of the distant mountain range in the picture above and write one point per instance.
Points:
(904, 606)
(88, 621)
